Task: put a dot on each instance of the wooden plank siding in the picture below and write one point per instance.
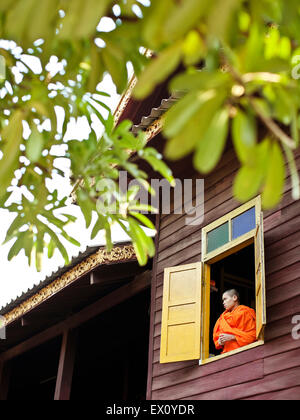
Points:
(271, 371)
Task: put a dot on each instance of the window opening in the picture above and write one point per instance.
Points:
(236, 271)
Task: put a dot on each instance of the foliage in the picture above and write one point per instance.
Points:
(235, 63)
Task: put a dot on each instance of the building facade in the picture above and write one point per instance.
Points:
(105, 315)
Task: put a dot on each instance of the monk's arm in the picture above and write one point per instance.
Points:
(245, 331)
(216, 336)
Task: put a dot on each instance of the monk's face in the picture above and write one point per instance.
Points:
(229, 302)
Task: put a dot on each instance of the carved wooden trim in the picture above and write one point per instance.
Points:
(127, 94)
(154, 129)
(124, 100)
(102, 256)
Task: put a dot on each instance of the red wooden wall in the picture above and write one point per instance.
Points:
(271, 371)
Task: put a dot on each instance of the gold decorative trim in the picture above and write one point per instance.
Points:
(124, 100)
(102, 256)
(127, 94)
(154, 129)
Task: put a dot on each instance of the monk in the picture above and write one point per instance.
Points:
(236, 327)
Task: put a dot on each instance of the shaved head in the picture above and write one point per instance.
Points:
(233, 292)
(231, 299)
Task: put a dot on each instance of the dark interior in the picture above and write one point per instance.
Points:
(111, 358)
(112, 353)
(236, 271)
(33, 374)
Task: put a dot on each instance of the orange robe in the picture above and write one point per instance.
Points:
(241, 322)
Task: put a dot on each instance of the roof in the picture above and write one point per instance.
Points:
(156, 113)
(82, 263)
(49, 278)
(88, 282)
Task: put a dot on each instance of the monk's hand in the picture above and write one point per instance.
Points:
(226, 337)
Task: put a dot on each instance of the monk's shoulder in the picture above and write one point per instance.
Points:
(246, 310)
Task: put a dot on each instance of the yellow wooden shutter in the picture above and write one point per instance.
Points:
(260, 279)
(181, 314)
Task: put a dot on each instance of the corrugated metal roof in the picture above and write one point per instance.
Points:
(76, 259)
(156, 113)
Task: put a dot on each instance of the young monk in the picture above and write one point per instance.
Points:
(236, 327)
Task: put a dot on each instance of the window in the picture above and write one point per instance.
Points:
(232, 257)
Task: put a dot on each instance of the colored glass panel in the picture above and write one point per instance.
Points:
(217, 237)
(243, 223)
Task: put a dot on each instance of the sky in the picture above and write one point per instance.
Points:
(16, 276)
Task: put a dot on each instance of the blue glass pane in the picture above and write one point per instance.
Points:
(243, 223)
(217, 237)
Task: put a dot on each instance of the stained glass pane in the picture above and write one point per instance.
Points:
(218, 237)
(243, 223)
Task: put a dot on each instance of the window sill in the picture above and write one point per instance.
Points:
(231, 353)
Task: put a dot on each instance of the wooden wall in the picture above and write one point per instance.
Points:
(271, 371)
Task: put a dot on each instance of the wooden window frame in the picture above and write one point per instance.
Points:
(222, 251)
(233, 245)
(192, 319)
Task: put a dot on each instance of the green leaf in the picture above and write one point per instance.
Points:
(99, 225)
(51, 248)
(160, 166)
(185, 142)
(254, 50)
(244, 134)
(184, 17)
(294, 126)
(109, 243)
(17, 246)
(158, 70)
(115, 63)
(146, 240)
(12, 138)
(73, 10)
(57, 243)
(70, 217)
(42, 15)
(34, 145)
(219, 22)
(199, 80)
(180, 113)
(247, 183)
(28, 246)
(284, 106)
(69, 238)
(154, 21)
(143, 219)
(14, 228)
(251, 176)
(141, 140)
(17, 19)
(92, 12)
(5, 5)
(211, 146)
(193, 48)
(39, 250)
(142, 207)
(274, 183)
(141, 242)
(97, 69)
(86, 205)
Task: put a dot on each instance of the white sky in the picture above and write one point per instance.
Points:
(16, 276)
